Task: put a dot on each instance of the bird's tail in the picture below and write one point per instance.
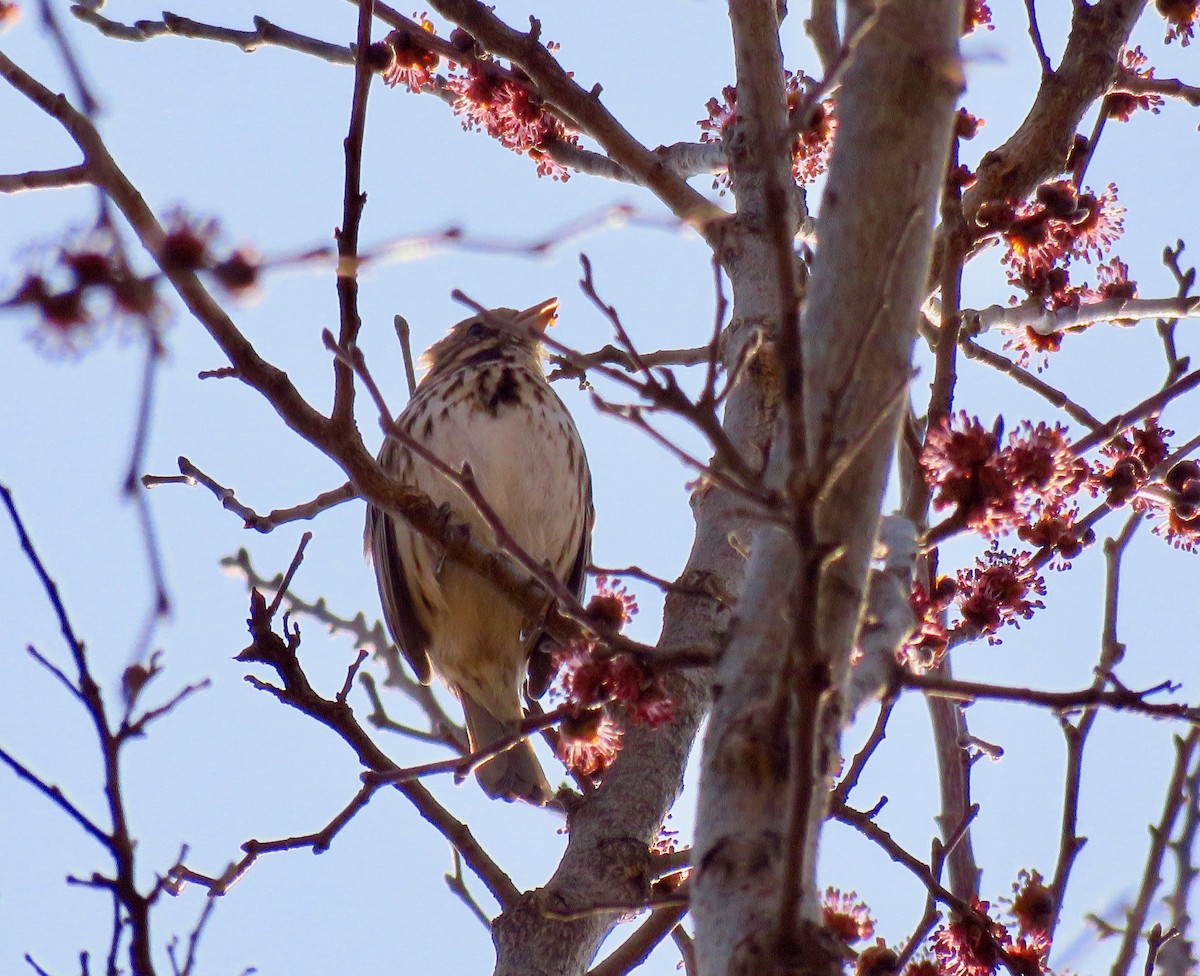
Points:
(514, 774)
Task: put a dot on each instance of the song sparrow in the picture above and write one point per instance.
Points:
(485, 402)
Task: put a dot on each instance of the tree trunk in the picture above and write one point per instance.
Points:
(772, 742)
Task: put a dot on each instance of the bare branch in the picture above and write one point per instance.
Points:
(57, 797)
(1033, 315)
(1076, 733)
(353, 201)
(585, 111)
(458, 886)
(1170, 87)
(298, 558)
(1038, 149)
(637, 948)
(822, 29)
(1118, 698)
(1160, 836)
(45, 179)
(972, 350)
(443, 729)
(270, 649)
(1147, 408)
(1035, 35)
(189, 474)
(264, 33)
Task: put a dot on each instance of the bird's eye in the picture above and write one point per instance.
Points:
(477, 331)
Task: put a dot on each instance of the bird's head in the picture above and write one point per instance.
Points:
(499, 333)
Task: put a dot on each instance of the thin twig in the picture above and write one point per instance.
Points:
(1151, 406)
(866, 826)
(1176, 365)
(637, 948)
(687, 950)
(1171, 87)
(958, 239)
(191, 475)
(849, 780)
(1035, 35)
(87, 101)
(443, 729)
(458, 887)
(297, 559)
(636, 572)
(56, 796)
(1160, 836)
(45, 179)
(404, 337)
(280, 654)
(1076, 734)
(353, 201)
(172, 25)
(972, 350)
(588, 286)
(1118, 698)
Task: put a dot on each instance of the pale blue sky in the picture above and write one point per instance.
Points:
(256, 141)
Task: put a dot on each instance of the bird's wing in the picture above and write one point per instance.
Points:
(577, 579)
(541, 662)
(398, 611)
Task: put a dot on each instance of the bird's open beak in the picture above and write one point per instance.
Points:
(540, 316)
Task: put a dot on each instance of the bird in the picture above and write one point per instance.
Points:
(485, 402)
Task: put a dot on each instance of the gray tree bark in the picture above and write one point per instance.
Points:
(772, 742)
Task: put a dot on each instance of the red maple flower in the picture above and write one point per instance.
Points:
(1032, 904)
(1032, 348)
(995, 488)
(1120, 105)
(1059, 225)
(1055, 529)
(1098, 225)
(928, 642)
(78, 287)
(1147, 443)
(813, 145)
(1181, 16)
(1181, 525)
(1182, 533)
(966, 125)
(1052, 287)
(239, 273)
(1027, 957)
(613, 605)
(187, 245)
(1133, 455)
(495, 101)
(65, 325)
(846, 916)
(1113, 282)
(976, 13)
(406, 60)
(588, 743)
(1039, 461)
(580, 675)
(955, 461)
(969, 946)
(997, 591)
(587, 678)
(876, 960)
(721, 115)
